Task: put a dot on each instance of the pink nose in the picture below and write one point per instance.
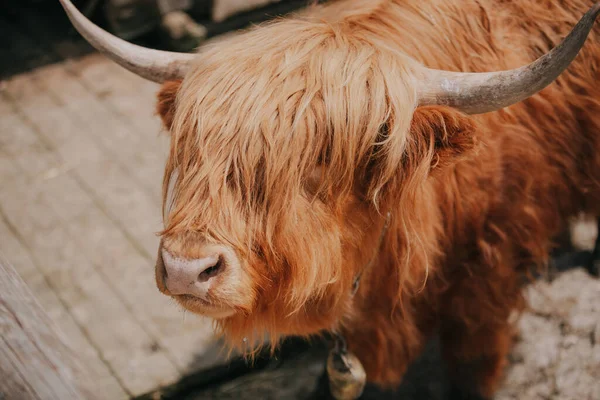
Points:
(192, 277)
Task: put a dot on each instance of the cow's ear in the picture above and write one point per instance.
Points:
(437, 139)
(165, 106)
(441, 136)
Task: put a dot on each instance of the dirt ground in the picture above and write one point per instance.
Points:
(558, 353)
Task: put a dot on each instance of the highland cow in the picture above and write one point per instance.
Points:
(294, 144)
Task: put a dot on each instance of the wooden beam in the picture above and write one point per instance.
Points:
(35, 361)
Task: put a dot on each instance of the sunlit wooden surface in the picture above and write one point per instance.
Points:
(81, 161)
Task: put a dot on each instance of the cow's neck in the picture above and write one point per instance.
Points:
(408, 257)
(345, 371)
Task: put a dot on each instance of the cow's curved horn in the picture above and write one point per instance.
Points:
(477, 93)
(154, 65)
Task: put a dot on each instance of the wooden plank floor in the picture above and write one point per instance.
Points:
(81, 160)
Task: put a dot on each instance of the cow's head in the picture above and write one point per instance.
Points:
(288, 145)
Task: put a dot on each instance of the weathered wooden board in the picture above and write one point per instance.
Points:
(31, 205)
(102, 379)
(35, 361)
(76, 176)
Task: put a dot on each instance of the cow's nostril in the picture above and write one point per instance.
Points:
(212, 271)
(160, 272)
(194, 276)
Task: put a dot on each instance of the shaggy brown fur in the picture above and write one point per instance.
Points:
(293, 140)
